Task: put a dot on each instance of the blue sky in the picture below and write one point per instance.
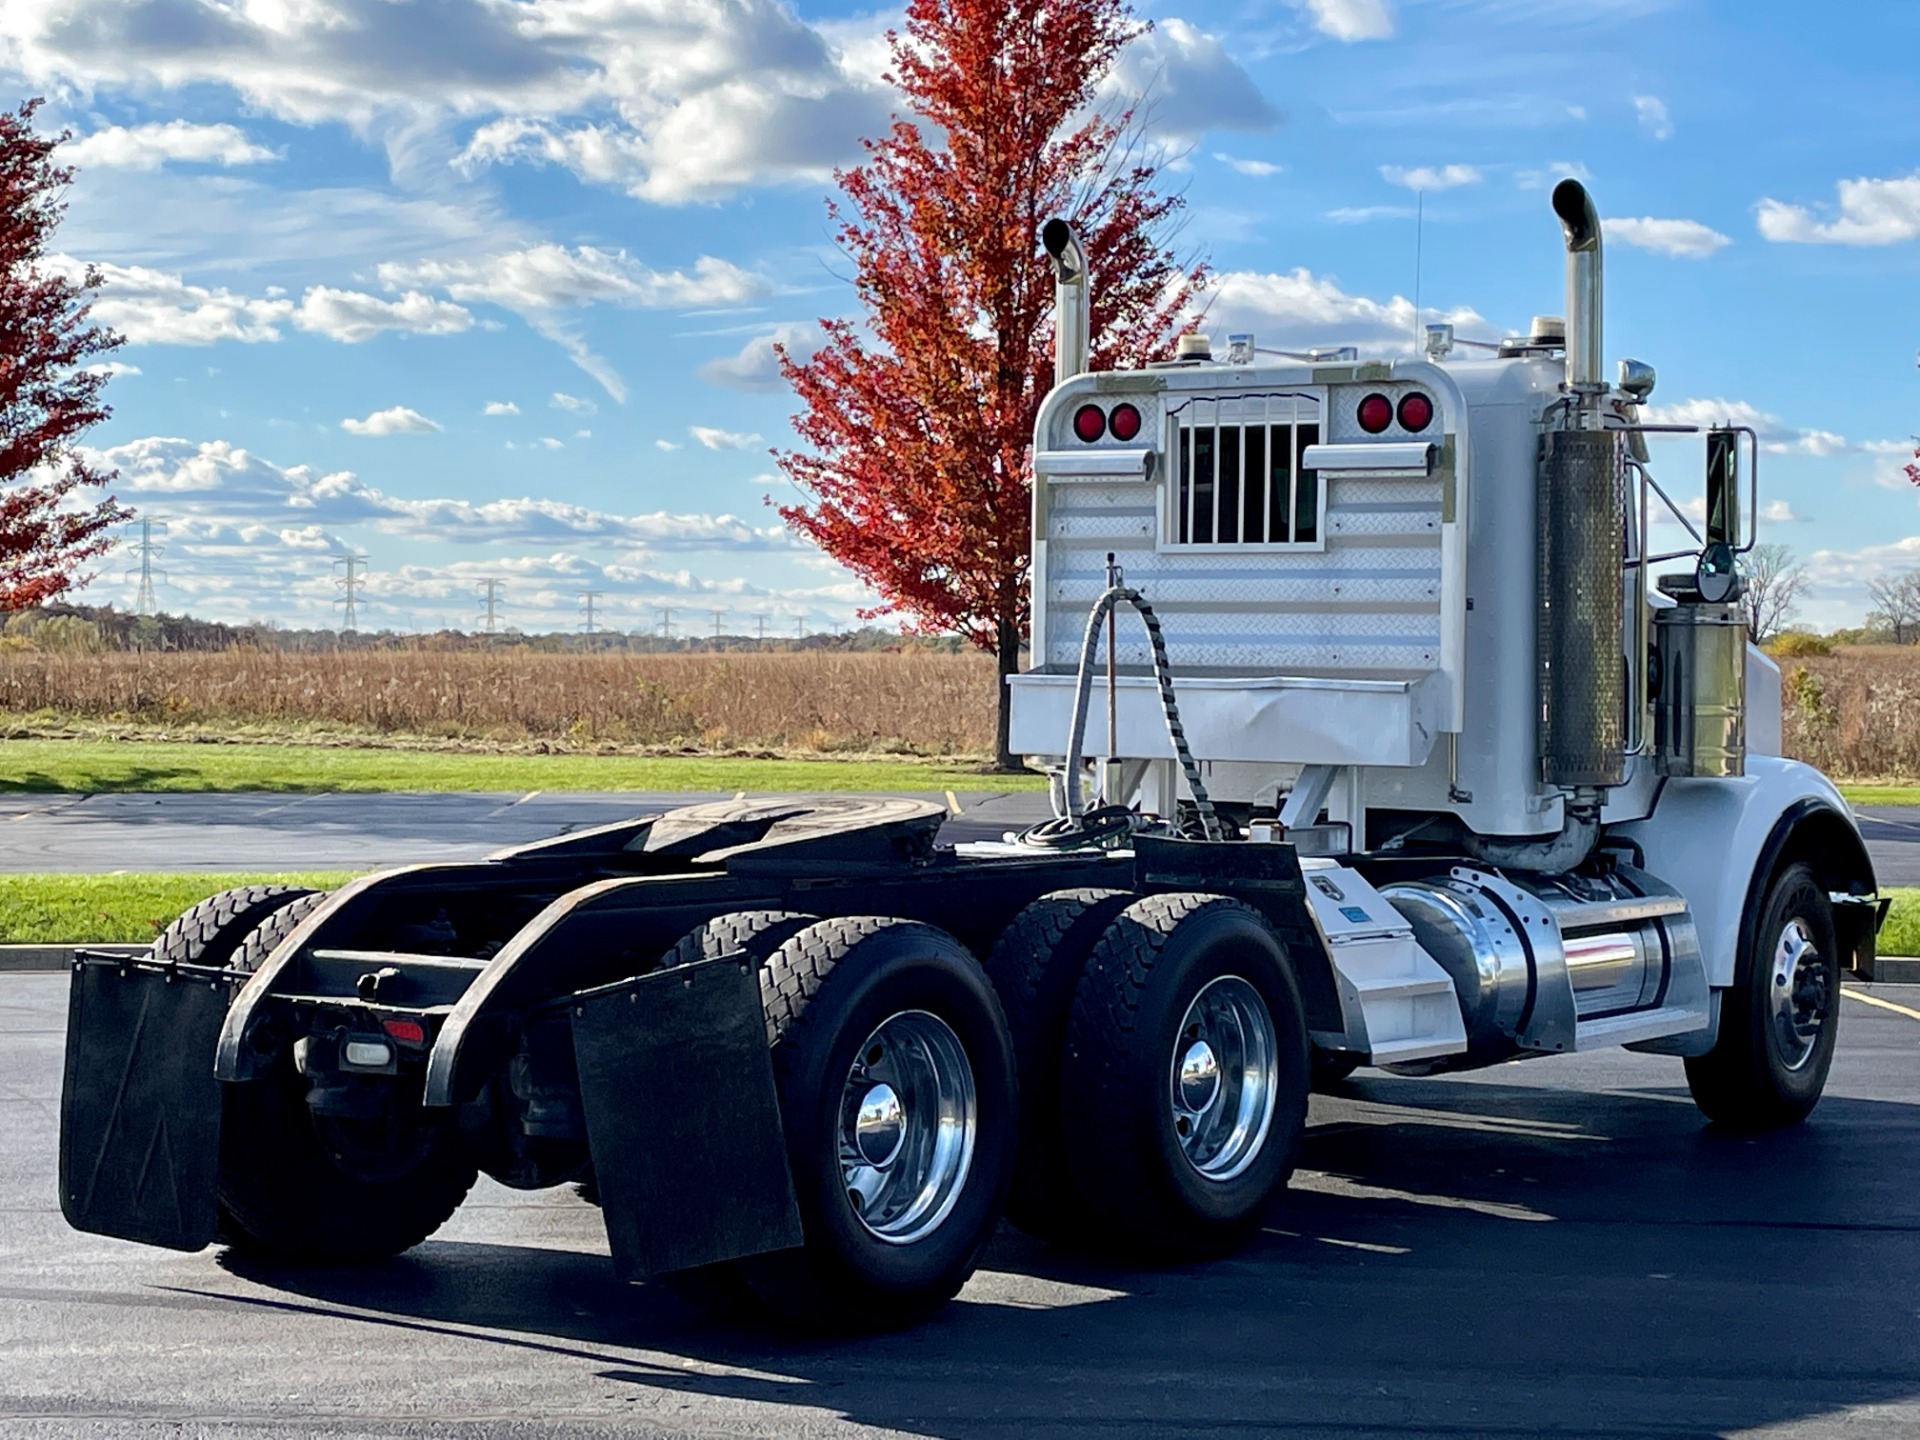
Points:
(489, 287)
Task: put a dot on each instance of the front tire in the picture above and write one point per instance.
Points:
(897, 1096)
(1781, 1020)
(1185, 1078)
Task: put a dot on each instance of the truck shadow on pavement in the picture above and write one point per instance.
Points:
(1456, 1257)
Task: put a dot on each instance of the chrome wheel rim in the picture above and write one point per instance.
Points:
(1800, 994)
(908, 1116)
(1221, 1082)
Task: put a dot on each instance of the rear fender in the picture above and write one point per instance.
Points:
(1720, 841)
(600, 933)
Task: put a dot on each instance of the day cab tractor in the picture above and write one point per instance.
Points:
(1373, 743)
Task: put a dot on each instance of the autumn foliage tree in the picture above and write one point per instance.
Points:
(50, 523)
(919, 417)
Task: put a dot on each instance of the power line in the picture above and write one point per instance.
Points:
(490, 589)
(352, 582)
(587, 597)
(144, 602)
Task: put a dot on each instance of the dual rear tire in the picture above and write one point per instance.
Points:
(1165, 1070)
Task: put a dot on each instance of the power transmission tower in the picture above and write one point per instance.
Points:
(490, 594)
(144, 602)
(761, 621)
(718, 616)
(799, 627)
(351, 582)
(666, 624)
(587, 597)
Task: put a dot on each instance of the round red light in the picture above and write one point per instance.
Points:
(1089, 423)
(1416, 411)
(1375, 414)
(1124, 422)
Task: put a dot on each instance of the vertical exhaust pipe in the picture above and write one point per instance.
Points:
(1581, 222)
(1072, 305)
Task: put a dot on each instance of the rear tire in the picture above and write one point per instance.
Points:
(857, 1007)
(1035, 967)
(1781, 1020)
(296, 1186)
(1185, 1076)
(213, 932)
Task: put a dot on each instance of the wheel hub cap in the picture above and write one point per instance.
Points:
(880, 1127)
(1222, 1081)
(1800, 994)
(908, 1118)
(1199, 1077)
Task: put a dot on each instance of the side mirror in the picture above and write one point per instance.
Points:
(1723, 489)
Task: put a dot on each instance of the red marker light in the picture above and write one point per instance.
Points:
(1124, 422)
(1375, 414)
(1089, 423)
(1416, 411)
(407, 1032)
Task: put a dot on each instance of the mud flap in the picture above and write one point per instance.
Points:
(683, 1120)
(140, 1107)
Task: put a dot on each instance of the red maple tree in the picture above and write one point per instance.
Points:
(49, 524)
(919, 420)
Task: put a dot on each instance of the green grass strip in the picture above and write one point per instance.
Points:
(112, 909)
(1901, 934)
(1881, 794)
(102, 766)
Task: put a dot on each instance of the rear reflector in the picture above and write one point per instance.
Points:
(1089, 423)
(407, 1032)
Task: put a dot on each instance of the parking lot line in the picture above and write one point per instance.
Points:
(1907, 1011)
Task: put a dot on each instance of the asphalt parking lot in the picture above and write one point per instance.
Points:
(1550, 1248)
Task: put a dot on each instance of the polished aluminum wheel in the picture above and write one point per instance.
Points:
(1221, 1085)
(908, 1115)
(1801, 994)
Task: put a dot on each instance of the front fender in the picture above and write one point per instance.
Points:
(1719, 841)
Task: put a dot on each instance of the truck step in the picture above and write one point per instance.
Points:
(1639, 1025)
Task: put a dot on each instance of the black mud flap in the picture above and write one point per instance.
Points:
(683, 1120)
(140, 1107)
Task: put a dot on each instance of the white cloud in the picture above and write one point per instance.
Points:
(1181, 82)
(1776, 436)
(1297, 309)
(1349, 20)
(1361, 214)
(553, 277)
(1651, 111)
(563, 401)
(394, 420)
(153, 307)
(112, 369)
(552, 444)
(722, 439)
(1870, 212)
(667, 445)
(351, 316)
(500, 407)
(1684, 239)
(148, 147)
(1430, 177)
(1258, 169)
(1778, 512)
(754, 367)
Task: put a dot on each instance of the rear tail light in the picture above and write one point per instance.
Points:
(1416, 411)
(1089, 423)
(1375, 414)
(407, 1032)
(1124, 422)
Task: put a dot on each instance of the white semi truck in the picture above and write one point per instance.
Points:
(1398, 760)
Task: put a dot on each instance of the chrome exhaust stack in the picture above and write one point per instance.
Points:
(1585, 348)
(1072, 302)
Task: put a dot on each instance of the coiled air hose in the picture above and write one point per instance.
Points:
(1077, 826)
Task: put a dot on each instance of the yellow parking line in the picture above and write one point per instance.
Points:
(739, 797)
(1910, 1013)
(953, 803)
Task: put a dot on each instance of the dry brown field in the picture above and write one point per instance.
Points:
(908, 702)
(1855, 713)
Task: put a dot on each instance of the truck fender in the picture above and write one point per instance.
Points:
(1720, 841)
